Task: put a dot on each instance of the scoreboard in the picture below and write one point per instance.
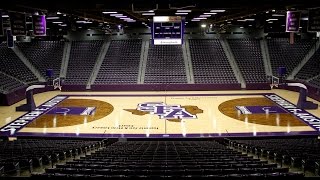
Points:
(167, 30)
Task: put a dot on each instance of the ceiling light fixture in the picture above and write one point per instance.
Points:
(183, 10)
(116, 14)
(84, 22)
(278, 15)
(148, 14)
(109, 12)
(218, 10)
(181, 13)
(52, 17)
(130, 20)
(205, 15)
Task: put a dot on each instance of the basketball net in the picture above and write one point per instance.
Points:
(274, 85)
(56, 86)
(274, 82)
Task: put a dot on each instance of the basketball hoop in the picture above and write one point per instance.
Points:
(274, 82)
(56, 84)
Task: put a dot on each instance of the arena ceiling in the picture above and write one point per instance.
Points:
(138, 13)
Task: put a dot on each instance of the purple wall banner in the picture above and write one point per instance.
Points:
(1, 25)
(18, 24)
(183, 21)
(293, 21)
(10, 41)
(314, 20)
(39, 25)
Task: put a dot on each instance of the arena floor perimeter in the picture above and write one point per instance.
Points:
(171, 114)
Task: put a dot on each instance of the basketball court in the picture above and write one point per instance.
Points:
(167, 114)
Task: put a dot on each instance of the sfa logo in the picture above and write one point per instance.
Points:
(165, 111)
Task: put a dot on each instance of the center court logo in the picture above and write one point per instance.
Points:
(165, 111)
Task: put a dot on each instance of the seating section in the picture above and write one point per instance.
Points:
(83, 57)
(316, 81)
(29, 153)
(121, 63)
(165, 65)
(284, 54)
(11, 64)
(203, 159)
(210, 63)
(311, 68)
(247, 53)
(303, 152)
(44, 55)
(9, 84)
